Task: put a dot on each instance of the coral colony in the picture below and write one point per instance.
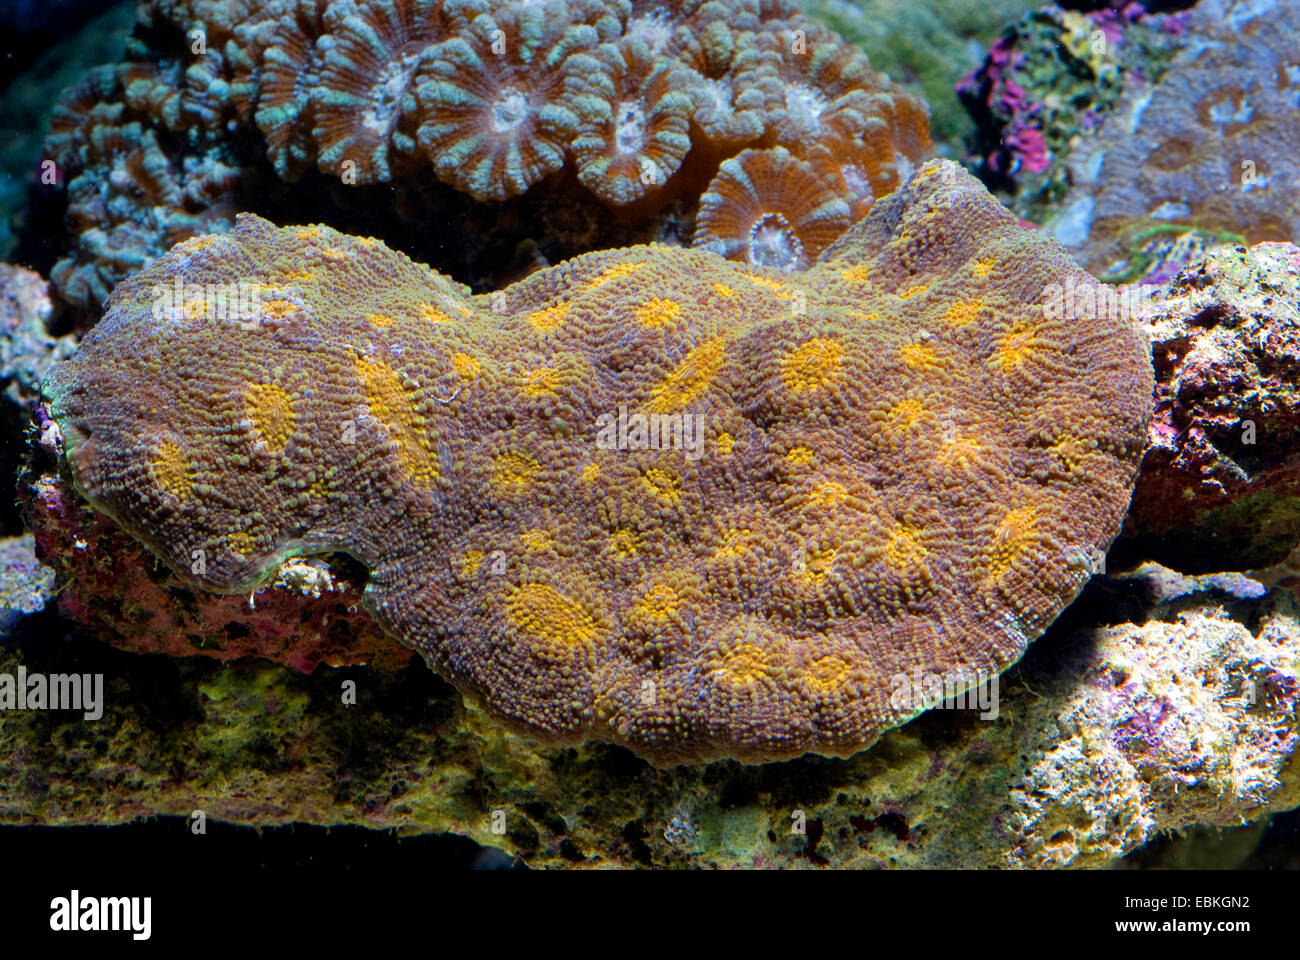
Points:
(495, 99)
(908, 458)
(640, 368)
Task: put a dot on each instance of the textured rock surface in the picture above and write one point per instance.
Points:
(901, 461)
(27, 349)
(26, 585)
(307, 614)
(1046, 87)
(1183, 712)
(1220, 481)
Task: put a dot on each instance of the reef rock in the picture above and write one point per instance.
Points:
(1220, 481)
(1184, 712)
(1213, 144)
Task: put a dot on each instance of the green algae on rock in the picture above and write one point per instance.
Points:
(905, 462)
(1183, 713)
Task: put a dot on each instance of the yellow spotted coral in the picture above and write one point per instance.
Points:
(696, 523)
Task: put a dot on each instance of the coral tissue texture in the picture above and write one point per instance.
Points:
(896, 460)
(1213, 145)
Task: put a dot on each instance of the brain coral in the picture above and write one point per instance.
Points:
(648, 496)
(1213, 145)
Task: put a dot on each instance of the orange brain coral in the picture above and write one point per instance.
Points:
(894, 461)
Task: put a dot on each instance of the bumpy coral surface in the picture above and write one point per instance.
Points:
(1213, 145)
(649, 496)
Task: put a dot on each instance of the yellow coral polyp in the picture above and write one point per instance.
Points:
(616, 272)
(905, 548)
(278, 309)
(963, 312)
(549, 319)
(431, 314)
(817, 563)
(470, 562)
(270, 409)
(380, 320)
(722, 290)
(768, 283)
(663, 483)
(734, 545)
(690, 380)
(241, 543)
(541, 381)
(812, 366)
(393, 406)
(828, 494)
(537, 540)
(907, 413)
(549, 618)
(464, 365)
(745, 664)
(826, 674)
(920, 357)
(172, 471)
(625, 541)
(962, 450)
(515, 471)
(1013, 534)
(659, 603)
(1017, 345)
(725, 443)
(656, 312)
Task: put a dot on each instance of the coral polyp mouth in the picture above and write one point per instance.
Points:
(772, 243)
(509, 111)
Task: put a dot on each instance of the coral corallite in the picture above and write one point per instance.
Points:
(770, 209)
(895, 461)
